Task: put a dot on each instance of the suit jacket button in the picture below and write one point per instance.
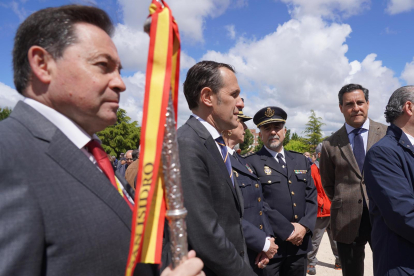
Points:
(259, 199)
(304, 179)
(294, 204)
(269, 181)
(260, 227)
(257, 185)
(296, 216)
(290, 181)
(243, 184)
(260, 213)
(293, 193)
(360, 201)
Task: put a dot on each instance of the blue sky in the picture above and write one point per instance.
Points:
(295, 54)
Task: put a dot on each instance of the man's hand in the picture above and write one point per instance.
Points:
(190, 267)
(272, 249)
(261, 260)
(297, 237)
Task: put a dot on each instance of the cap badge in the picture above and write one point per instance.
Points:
(269, 112)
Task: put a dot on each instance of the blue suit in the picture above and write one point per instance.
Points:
(256, 226)
(389, 178)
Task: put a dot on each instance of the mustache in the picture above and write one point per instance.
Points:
(274, 137)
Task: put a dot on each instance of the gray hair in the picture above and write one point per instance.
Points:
(394, 108)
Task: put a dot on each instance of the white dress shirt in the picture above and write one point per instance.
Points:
(274, 154)
(71, 130)
(364, 134)
(411, 138)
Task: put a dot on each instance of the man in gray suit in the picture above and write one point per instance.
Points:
(213, 200)
(60, 211)
(341, 164)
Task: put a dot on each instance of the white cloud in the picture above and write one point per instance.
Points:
(302, 66)
(132, 99)
(190, 15)
(231, 31)
(408, 73)
(399, 6)
(326, 8)
(8, 96)
(186, 61)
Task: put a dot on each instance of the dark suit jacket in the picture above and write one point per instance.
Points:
(59, 214)
(389, 177)
(213, 204)
(288, 198)
(256, 226)
(343, 182)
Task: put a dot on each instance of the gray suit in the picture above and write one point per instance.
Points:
(59, 214)
(343, 182)
(214, 205)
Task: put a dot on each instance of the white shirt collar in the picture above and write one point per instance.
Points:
(274, 153)
(212, 130)
(229, 150)
(74, 132)
(350, 128)
(411, 138)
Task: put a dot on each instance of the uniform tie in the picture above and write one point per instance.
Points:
(281, 162)
(359, 151)
(225, 155)
(105, 165)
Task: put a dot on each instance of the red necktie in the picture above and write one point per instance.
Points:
(104, 164)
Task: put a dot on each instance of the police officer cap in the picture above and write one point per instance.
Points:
(242, 117)
(270, 114)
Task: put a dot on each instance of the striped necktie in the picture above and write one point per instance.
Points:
(359, 150)
(225, 155)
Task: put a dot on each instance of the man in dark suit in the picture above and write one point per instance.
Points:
(289, 194)
(63, 210)
(341, 164)
(212, 198)
(256, 226)
(389, 177)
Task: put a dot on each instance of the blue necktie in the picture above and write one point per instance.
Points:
(225, 155)
(281, 162)
(359, 151)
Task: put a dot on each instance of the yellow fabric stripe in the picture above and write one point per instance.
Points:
(225, 158)
(151, 229)
(270, 121)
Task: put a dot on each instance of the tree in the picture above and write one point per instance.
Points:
(313, 130)
(297, 145)
(295, 136)
(287, 137)
(248, 140)
(259, 144)
(124, 135)
(4, 113)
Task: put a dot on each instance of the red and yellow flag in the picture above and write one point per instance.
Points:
(162, 76)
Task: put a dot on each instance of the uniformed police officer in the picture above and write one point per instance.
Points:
(289, 194)
(256, 227)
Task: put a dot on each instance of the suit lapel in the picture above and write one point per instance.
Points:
(290, 163)
(373, 134)
(346, 149)
(211, 146)
(270, 161)
(74, 161)
(239, 165)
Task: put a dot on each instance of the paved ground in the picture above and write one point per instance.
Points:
(325, 266)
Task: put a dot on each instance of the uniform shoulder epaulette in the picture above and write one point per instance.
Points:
(295, 152)
(248, 154)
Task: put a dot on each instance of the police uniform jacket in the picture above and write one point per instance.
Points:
(256, 226)
(288, 197)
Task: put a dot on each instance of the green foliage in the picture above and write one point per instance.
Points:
(287, 138)
(124, 135)
(313, 131)
(259, 144)
(248, 140)
(295, 136)
(4, 113)
(297, 145)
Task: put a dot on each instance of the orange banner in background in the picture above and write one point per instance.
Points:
(162, 75)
